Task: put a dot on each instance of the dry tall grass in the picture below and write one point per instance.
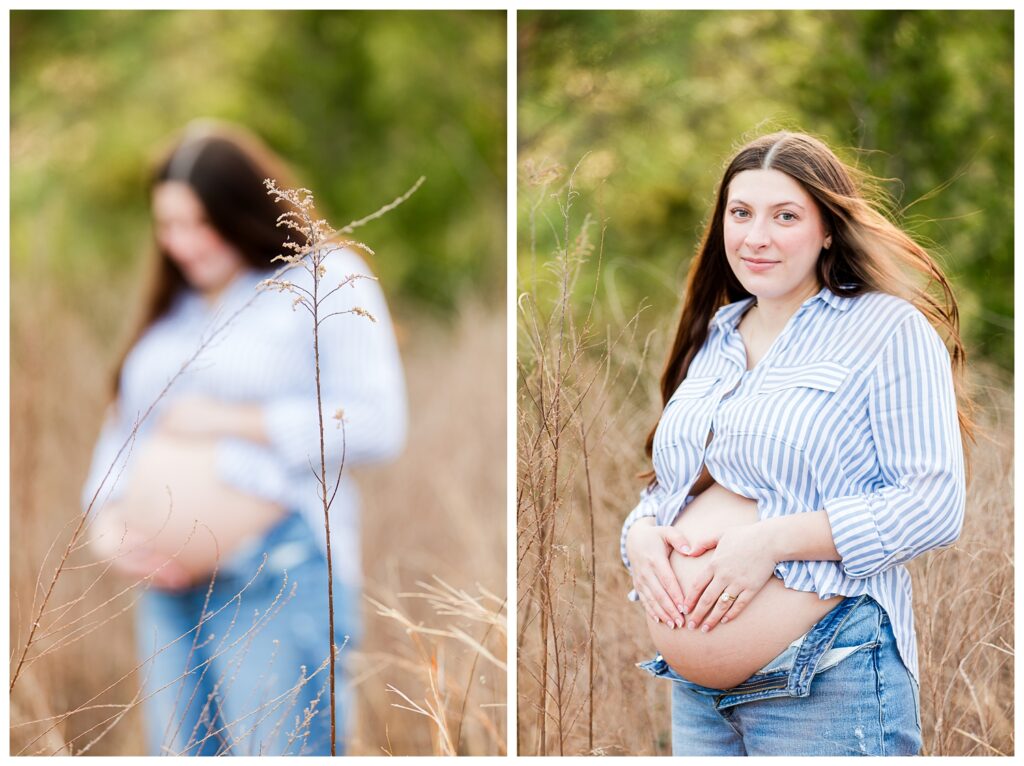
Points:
(587, 397)
(444, 519)
(61, 351)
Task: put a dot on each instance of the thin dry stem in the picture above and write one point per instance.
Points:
(311, 255)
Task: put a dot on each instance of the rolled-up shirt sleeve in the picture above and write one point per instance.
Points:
(361, 380)
(919, 504)
(650, 499)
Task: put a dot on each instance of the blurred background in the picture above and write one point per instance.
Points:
(625, 123)
(654, 103)
(361, 104)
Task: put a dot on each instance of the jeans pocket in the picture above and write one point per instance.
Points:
(833, 657)
(828, 660)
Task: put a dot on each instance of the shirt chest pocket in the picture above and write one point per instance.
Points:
(687, 415)
(793, 404)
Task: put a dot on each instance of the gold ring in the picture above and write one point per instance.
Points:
(727, 598)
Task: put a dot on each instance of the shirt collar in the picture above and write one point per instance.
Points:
(838, 302)
(727, 317)
(234, 295)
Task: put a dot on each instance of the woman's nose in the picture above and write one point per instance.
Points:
(757, 235)
(180, 242)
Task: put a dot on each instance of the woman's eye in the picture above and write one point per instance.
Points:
(791, 217)
(738, 211)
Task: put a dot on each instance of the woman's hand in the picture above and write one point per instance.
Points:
(130, 555)
(163, 572)
(194, 415)
(648, 547)
(739, 562)
(201, 416)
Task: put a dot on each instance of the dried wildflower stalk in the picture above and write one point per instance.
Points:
(318, 241)
(45, 620)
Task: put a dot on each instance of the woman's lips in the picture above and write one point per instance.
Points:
(758, 264)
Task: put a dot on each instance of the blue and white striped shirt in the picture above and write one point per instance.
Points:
(265, 356)
(851, 411)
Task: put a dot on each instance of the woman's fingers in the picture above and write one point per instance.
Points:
(696, 591)
(654, 609)
(690, 547)
(171, 576)
(136, 563)
(654, 585)
(674, 599)
(699, 547)
(646, 602)
(709, 595)
(165, 573)
(678, 541)
(722, 611)
(744, 598)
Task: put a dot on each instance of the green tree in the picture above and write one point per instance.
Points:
(654, 101)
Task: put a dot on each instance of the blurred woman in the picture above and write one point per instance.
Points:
(213, 499)
(810, 445)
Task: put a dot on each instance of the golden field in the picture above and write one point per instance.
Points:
(433, 525)
(587, 397)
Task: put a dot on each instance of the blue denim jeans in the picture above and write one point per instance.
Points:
(842, 690)
(241, 668)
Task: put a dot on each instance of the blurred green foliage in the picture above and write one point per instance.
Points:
(655, 102)
(360, 103)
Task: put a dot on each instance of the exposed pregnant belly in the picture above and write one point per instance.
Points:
(176, 505)
(732, 652)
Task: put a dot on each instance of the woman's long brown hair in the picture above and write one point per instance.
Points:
(225, 166)
(868, 253)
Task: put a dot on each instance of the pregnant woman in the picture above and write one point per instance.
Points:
(810, 445)
(214, 501)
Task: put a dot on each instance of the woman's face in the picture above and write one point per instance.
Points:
(773, 234)
(206, 259)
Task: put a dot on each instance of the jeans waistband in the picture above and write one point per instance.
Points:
(778, 678)
(286, 544)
